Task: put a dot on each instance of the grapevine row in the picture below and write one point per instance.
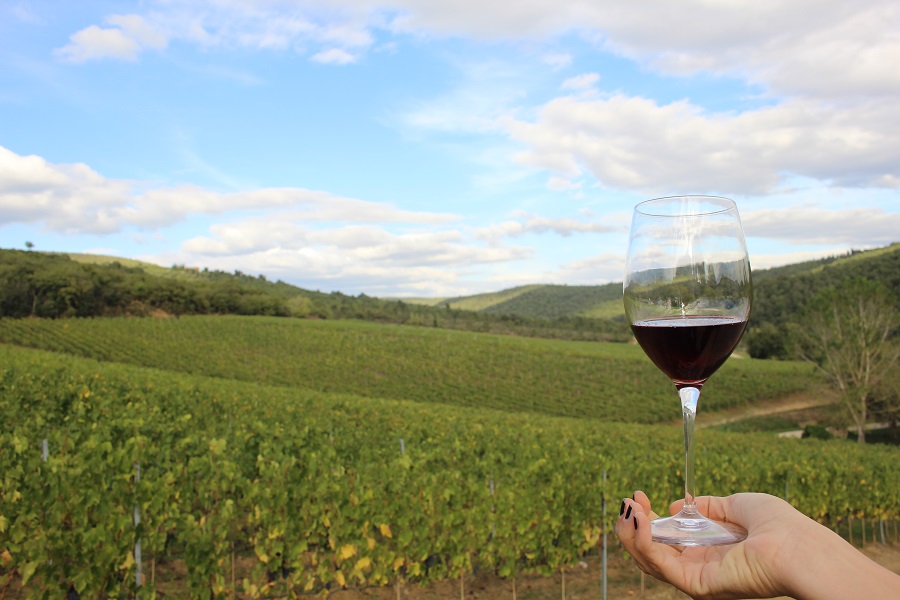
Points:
(316, 487)
(611, 382)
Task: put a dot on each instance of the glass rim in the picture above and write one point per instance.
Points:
(726, 204)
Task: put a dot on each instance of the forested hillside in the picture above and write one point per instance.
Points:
(781, 294)
(48, 285)
(35, 284)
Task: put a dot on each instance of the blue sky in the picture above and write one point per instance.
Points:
(431, 148)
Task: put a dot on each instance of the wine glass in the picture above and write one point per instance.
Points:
(687, 295)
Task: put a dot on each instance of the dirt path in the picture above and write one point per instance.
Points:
(795, 402)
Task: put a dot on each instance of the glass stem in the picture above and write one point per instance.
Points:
(689, 398)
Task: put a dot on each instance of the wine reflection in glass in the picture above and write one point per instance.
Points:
(687, 295)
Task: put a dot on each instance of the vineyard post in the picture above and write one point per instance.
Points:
(400, 580)
(493, 503)
(603, 552)
(45, 450)
(138, 579)
(881, 527)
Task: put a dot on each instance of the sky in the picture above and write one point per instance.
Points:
(428, 148)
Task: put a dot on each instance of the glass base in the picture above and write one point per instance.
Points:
(695, 530)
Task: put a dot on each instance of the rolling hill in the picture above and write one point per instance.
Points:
(778, 290)
(58, 285)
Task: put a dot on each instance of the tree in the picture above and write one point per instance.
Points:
(29, 245)
(847, 331)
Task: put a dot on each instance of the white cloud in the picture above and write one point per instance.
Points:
(768, 261)
(594, 270)
(333, 56)
(638, 144)
(95, 42)
(354, 258)
(76, 199)
(810, 48)
(539, 225)
(138, 29)
(562, 184)
(857, 227)
(581, 82)
(816, 48)
(129, 35)
(66, 198)
(308, 237)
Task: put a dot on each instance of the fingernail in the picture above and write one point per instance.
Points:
(635, 522)
(622, 508)
(628, 512)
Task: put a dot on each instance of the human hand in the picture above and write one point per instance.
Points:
(785, 553)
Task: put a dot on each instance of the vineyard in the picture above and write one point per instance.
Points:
(264, 440)
(609, 382)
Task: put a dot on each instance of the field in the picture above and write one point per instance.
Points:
(275, 457)
(608, 382)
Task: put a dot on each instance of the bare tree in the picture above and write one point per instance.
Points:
(847, 333)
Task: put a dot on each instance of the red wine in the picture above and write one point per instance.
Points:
(689, 349)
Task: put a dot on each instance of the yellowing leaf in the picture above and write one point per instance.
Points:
(261, 554)
(371, 542)
(28, 570)
(398, 562)
(385, 530)
(347, 551)
(129, 562)
(339, 578)
(363, 564)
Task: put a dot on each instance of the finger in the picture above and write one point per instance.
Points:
(625, 529)
(746, 509)
(642, 499)
(633, 530)
(750, 510)
(710, 506)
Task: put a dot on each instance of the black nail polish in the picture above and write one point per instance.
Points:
(628, 512)
(622, 508)
(635, 523)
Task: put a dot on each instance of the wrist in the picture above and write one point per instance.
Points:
(826, 567)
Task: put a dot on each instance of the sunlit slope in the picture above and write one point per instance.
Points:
(488, 301)
(611, 382)
(542, 301)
